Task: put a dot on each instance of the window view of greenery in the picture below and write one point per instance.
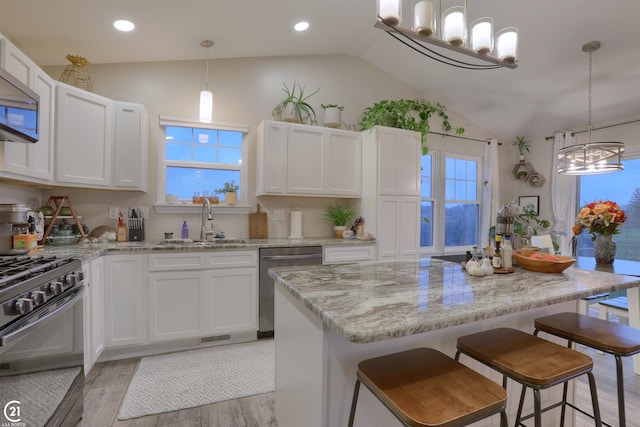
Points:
(461, 205)
(624, 189)
(199, 161)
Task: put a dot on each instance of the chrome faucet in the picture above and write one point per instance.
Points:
(206, 215)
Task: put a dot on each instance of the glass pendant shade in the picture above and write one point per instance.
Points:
(206, 106)
(424, 17)
(389, 10)
(591, 158)
(454, 26)
(507, 44)
(482, 35)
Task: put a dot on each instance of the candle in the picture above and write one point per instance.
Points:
(507, 41)
(453, 28)
(423, 18)
(482, 35)
(389, 10)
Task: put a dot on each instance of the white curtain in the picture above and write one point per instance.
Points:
(563, 197)
(490, 190)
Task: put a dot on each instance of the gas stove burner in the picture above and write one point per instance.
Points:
(23, 267)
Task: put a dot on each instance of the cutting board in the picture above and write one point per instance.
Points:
(258, 225)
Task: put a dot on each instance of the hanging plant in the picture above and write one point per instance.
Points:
(407, 114)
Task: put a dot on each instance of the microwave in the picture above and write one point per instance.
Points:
(19, 110)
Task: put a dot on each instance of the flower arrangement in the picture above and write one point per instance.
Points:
(601, 217)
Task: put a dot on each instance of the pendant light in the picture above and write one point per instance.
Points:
(206, 97)
(592, 157)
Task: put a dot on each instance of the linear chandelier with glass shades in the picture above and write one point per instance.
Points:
(590, 158)
(450, 33)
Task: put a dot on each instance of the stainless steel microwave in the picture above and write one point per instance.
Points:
(19, 110)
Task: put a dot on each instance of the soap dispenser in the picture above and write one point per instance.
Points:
(185, 230)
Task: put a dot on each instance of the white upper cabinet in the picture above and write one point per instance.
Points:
(31, 162)
(130, 146)
(84, 136)
(302, 160)
(398, 161)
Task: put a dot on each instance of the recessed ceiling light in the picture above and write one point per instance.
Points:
(123, 25)
(301, 26)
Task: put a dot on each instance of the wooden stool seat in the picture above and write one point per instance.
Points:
(532, 361)
(424, 387)
(608, 337)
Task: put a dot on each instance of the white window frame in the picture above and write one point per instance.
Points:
(162, 206)
(438, 197)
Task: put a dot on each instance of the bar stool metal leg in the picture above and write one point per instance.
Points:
(354, 401)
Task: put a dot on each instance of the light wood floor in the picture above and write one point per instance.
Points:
(107, 383)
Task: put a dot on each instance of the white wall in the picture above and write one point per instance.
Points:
(245, 91)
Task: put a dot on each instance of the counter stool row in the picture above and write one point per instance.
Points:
(424, 387)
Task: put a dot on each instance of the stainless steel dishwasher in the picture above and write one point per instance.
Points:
(279, 257)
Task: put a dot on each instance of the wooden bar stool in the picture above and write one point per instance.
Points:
(608, 337)
(424, 387)
(533, 362)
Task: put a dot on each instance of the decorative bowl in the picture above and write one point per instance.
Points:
(56, 239)
(557, 264)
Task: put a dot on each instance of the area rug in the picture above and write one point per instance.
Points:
(199, 377)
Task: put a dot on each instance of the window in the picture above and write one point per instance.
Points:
(199, 158)
(624, 189)
(457, 211)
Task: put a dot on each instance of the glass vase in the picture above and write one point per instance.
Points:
(604, 249)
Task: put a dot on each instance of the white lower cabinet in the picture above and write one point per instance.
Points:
(344, 254)
(93, 306)
(232, 300)
(176, 308)
(398, 227)
(123, 300)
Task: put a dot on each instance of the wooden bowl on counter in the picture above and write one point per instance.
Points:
(553, 263)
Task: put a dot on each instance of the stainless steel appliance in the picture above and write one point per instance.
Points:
(11, 214)
(19, 110)
(41, 341)
(279, 257)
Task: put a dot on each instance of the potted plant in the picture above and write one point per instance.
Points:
(339, 217)
(230, 190)
(294, 107)
(332, 115)
(406, 114)
(523, 145)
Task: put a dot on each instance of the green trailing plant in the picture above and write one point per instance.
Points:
(339, 216)
(407, 114)
(339, 107)
(295, 99)
(522, 144)
(228, 187)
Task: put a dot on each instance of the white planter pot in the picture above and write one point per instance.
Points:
(333, 117)
(231, 198)
(337, 231)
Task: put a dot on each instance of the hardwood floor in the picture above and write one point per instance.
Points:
(106, 385)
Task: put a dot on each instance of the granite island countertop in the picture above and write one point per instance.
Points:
(88, 251)
(374, 301)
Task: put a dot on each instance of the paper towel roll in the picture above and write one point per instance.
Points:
(296, 225)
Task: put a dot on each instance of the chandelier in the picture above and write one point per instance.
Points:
(592, 157)
(206, 97)
(450, 33)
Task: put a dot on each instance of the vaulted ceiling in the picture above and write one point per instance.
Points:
(547, 92)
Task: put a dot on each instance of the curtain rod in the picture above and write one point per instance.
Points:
(601, 127)
(462, 137)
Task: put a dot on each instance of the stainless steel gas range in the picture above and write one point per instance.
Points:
(41, 341)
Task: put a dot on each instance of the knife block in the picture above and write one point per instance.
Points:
(136, 229)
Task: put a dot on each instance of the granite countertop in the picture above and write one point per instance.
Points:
(374, 301)
(88, 251)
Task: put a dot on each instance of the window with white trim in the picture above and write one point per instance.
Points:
(450, 202)
(200, 158)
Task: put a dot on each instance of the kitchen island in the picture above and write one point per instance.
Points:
(328, 318)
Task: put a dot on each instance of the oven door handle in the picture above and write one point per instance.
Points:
(24, 326)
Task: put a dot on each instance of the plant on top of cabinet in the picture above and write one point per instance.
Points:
(339, 217)
(294, 107)
(406, 114)
(332, 115)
